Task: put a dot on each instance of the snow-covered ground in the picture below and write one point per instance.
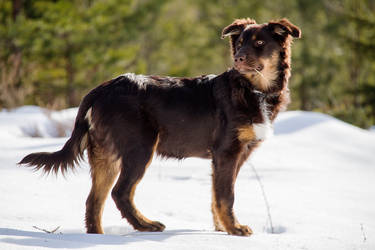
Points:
(318, 174)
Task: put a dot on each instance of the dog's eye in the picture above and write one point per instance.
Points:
(259, 43)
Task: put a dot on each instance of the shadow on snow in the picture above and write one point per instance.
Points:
(80, 240)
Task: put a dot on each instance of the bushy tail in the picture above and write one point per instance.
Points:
(73, 149)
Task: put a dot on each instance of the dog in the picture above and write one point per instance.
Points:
(124, 121)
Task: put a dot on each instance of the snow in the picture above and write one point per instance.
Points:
(317, 172)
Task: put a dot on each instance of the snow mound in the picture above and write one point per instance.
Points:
(33, 121)
(294, 121)
(317, 172)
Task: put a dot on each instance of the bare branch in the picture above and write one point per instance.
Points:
(264, 197)
(46, 231)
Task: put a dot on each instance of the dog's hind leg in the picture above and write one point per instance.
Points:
(104, 170)
(134, 164)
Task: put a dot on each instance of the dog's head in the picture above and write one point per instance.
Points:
(256, 48)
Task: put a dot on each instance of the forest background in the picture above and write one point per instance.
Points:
(53, 52)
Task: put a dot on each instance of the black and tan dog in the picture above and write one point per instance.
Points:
(124, 121)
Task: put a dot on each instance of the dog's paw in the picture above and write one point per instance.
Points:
(153, 226)
(240, 230)
(157, 226)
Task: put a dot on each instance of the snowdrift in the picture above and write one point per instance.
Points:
(317, 172)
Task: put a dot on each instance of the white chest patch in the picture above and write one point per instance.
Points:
(263, 130)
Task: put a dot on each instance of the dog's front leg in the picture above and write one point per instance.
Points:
(224, 177)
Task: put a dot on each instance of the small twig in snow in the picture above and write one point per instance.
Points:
(46, 231)
(363, 234)
(264, 196)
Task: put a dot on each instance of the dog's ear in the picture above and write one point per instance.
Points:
(234, 31)
(284, 28)
(236, 27)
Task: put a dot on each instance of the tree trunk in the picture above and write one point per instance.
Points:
(16, 8)
(70, 73)
(11, 68)
(302, 90)
(71, 98)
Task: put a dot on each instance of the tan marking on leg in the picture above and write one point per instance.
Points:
(217, 224)
(223, 202)
(226, 215)
(229, 221)
(104, 171)
(246, 133)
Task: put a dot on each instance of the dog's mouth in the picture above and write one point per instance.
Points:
(248, 69)
(251, 72)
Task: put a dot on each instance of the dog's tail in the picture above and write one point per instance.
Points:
(73, 149)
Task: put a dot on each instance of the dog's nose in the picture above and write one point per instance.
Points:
(239, 59)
